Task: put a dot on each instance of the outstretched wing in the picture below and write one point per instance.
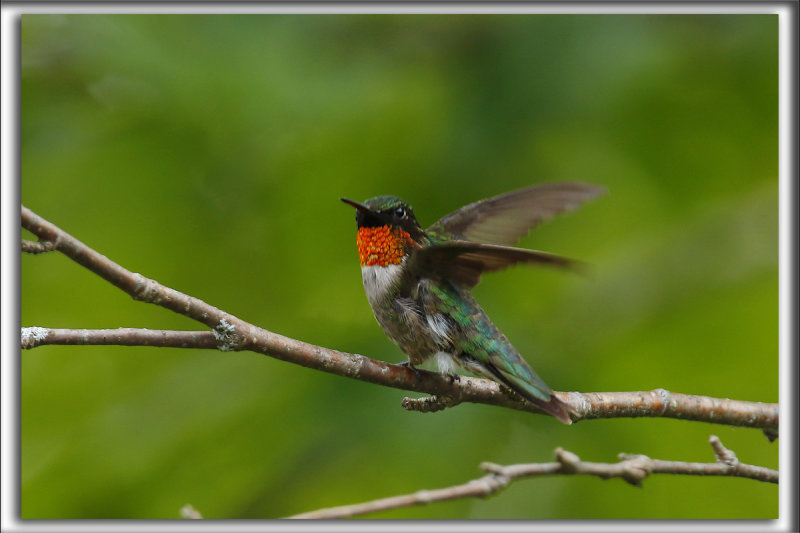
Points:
(463, 262)
(504, 219)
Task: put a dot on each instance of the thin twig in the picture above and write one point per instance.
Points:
(35, 336)
(187, 511)
(232, 333)
(429, 404)
(631, 468)
(32, 247)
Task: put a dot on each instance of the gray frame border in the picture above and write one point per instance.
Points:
(788, 237)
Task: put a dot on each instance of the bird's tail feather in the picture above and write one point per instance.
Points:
(552, 406)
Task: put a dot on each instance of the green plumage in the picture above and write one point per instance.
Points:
(480, 338)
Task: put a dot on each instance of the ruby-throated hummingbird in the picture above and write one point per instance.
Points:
(418, 281)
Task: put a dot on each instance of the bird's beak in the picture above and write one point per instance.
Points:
(366, 216)
(360, 207)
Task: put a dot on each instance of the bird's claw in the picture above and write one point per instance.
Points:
(411, 367)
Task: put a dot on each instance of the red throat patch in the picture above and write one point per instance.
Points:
(382, 246)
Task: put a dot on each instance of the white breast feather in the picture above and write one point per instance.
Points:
(379, 280)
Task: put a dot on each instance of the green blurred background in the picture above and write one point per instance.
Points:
(210, 152)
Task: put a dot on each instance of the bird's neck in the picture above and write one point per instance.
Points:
(382, 245)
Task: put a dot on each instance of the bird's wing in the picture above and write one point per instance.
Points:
(506, 218)
(463, 262)
(483, 350)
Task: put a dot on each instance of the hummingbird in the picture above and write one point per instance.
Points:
(418, 281)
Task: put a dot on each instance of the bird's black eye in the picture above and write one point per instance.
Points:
(400, 212)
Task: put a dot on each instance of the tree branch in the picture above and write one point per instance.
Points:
(232, 333)
(632, 468)
(34, 336)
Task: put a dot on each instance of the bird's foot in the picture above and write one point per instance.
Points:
(454, 378)
(411, 367)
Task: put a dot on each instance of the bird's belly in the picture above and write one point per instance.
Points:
(402, 316)
(410, 330)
